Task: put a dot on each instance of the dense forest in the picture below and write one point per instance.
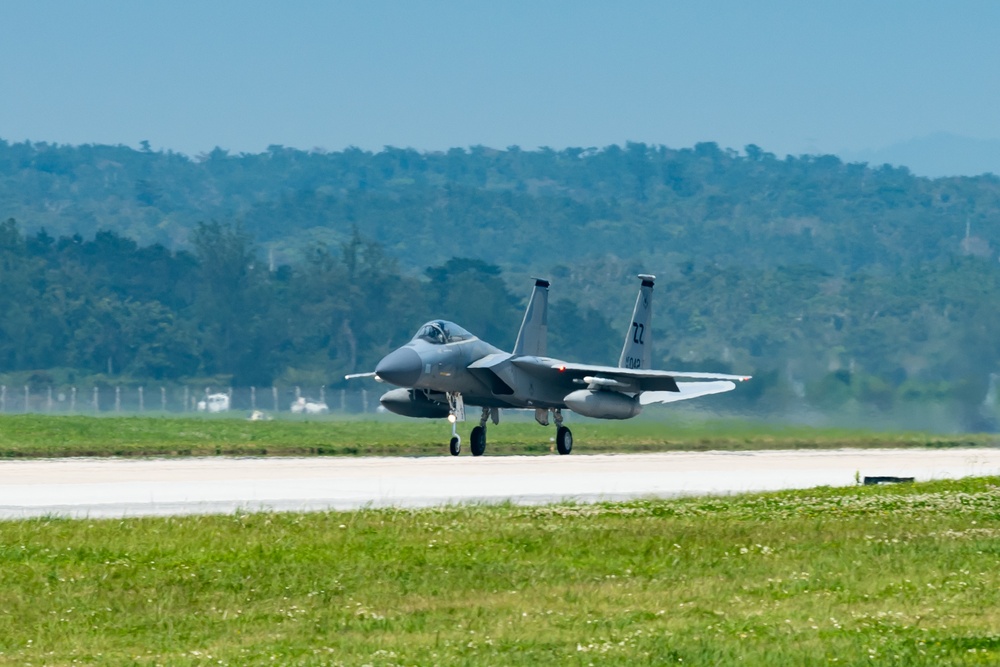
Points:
(835, 284)
(110, 307)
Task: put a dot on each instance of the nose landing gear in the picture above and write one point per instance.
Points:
(456, 413)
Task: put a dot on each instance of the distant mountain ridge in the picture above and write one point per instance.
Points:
(936, 155)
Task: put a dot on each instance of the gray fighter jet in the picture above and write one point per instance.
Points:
(444, 368)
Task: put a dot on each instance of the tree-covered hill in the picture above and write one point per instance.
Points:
(526, 211)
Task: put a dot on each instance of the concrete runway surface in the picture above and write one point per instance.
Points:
(126, 487)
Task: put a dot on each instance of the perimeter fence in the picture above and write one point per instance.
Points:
(184, 399)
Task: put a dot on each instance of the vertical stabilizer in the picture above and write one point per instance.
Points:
(637, 351)
(531, 339)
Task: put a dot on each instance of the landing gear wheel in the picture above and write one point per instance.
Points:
(564, 440)
(477, 441)
(455, 446)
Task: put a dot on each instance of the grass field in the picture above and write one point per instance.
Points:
(903, 575)
(44, 435)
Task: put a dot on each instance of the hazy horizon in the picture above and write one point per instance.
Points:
(846, 78)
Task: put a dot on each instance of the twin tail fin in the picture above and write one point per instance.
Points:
(638, 349)
(533, 336)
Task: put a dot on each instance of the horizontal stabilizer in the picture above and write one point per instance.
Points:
(708, 376)
(686, 390)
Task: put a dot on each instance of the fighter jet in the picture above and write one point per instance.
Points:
(445, 368)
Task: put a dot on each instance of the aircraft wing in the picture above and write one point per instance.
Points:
(622, 379)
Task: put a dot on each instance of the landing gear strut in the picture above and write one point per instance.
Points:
(455, 414)
(455, 446)
(564, 437)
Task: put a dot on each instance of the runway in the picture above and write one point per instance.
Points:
(125, 487)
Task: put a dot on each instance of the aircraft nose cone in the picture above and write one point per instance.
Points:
(400, 367)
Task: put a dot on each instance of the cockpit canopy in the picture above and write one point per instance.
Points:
(440, 332)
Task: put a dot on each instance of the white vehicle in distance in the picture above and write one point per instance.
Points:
(214, 403)
(304, 406)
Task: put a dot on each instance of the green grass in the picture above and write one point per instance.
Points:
(902, 575)
(43, 436)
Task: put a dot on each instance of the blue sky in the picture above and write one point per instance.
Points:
(790, 76)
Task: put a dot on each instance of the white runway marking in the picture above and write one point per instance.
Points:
(126, 487)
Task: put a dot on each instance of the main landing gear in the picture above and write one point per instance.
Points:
(477, 439)
(564, 437)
